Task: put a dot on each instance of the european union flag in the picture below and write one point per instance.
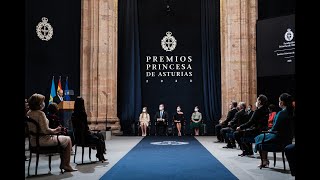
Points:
(66, 90)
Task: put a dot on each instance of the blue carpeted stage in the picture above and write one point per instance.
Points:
(168, 158)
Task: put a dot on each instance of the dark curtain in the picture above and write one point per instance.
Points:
(211, 69)
(60, 56)
(129, 77)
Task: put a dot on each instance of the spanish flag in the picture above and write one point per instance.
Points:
(59, 85)
(53, 91)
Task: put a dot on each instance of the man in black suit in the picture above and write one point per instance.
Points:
(249, 111)
(257, 123)
(59, 97)
(239, 118)
(223, 124)
(161, 119)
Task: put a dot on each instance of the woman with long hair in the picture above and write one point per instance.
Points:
(178, 119)
(80, 125)
(283, 125)
(144, 120)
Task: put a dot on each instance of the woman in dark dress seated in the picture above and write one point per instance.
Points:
(282, 124)
(80, 125)
(178, 119)
(54, 121)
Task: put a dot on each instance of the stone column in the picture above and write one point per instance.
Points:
(98, 74)
(238, 52)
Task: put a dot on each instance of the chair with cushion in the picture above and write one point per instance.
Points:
(273, 147)
(202, 129)
(175, 130)
(148, 128)
(155, 128)
(37, 149)
(80, 140)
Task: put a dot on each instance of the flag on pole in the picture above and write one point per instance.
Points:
(59, 84)
(66, 90)
(53, 91)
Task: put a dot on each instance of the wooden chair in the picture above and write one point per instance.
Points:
(183, 128)
(148, 128)
(155, 128)
(37, 149)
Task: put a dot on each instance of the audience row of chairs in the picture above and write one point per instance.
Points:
(267, 130)
(52, 150)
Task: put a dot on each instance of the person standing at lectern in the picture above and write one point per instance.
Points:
(161, 119)
(59, 97)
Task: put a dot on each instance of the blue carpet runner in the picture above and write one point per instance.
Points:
(165, 158)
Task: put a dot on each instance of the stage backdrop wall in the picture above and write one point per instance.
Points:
(169, 52)
(171, 77)
(60, 56)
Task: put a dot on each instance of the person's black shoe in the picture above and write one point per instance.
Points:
(249, 153)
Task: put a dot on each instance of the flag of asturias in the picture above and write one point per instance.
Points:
(53, 91)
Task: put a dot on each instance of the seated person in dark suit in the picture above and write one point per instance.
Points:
(54, 121)
(161, 119)
(59, 97)
(257, 123)
(223, 124)
(249, 111)
(80, 125)
(283, 125)
(239, 118)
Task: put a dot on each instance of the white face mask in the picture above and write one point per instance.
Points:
(280, 105)
(42, 105)
(160, 108)
(196, 110)
(257, 104)
(143, 110)
(178, 109)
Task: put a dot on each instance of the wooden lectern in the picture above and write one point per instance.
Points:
(66, 109)
(66, 105)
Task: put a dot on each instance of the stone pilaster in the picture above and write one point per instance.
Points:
(238, 52)
(98, 74)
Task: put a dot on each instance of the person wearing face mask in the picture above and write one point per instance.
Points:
(196, 120)
(161, 118)
(257, 123)
(36, 105)
(222, 124)
(283, 126)
(178, 119)
(249, 111)
(144, 120)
